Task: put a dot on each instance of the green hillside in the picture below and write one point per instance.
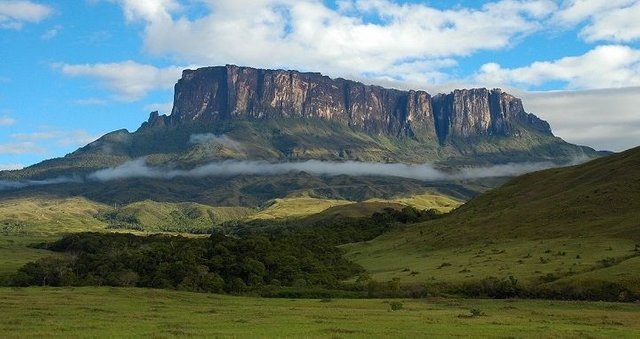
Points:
(50, 215)
(292, 140)
(559, 227)
(138, 312)
(296, 207)
(152, 216)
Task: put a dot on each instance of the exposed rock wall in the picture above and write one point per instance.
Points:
(226, 92)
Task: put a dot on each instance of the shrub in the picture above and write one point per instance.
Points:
(395, 305)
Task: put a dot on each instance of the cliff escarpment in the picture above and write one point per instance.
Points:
(220, 93)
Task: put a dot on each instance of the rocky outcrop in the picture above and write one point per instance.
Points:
(214, 94)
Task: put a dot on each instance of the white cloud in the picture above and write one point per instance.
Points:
(62, 138)
(139, 169)
(52, 33)
(404, 41)
(14, 14)
(606, 20)
(129, 80)
(603, 119)
(7, 121)
(602, 67)
(162, 108)
(90, 102)
(26, 147)
(209, 138)
(11, 167)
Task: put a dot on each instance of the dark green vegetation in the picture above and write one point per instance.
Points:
(133, 312)
(153, 216)
(274, 140)
(214, 264)
(291, 139)
(275, 256)
(248, 191)
(561, 233)
(544, 235)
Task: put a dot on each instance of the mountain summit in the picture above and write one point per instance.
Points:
(242, 113)
(220, 93)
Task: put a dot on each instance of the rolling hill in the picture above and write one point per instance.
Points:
(244, 114)
(558, 227)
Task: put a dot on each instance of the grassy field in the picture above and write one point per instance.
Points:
(15, 252)
(155, 216)
(426, 201)
(317, 208)
(531, 261)
(296, 207)
(562, 225)
(116, 312)
(50, 215)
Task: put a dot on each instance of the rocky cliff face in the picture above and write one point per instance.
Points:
(230, 92)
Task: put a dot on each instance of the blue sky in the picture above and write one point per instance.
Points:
(71, 71)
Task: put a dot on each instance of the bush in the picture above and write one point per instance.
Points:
(395, 305)
(493, 287)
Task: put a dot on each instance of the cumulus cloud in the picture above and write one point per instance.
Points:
(90, 102)
(605, 119)
(139, 169)
(14, 14)
(209, 138)
(52, 33)
(129, 80)
(26, 147)
(602, 67)
(77, 137)
(162, 108)
(7, 121)
(10, 167)
(605, 20)
(378, 38)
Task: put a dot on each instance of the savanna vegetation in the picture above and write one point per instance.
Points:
(261, 257)
(136, 312)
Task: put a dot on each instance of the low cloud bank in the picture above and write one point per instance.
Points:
(139, 169)
(209, 138)
(7, 184)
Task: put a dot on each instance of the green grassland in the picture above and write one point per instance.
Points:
(120, 312)
(426, 201)
(50, 215)
(533, 262)
(569, 225)
(296, 207)
(15, 252)
(155, 216)
(317, 209)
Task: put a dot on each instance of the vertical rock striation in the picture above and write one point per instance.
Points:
(221, 93)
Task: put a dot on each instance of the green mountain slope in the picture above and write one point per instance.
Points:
(154, 216)
(558, 227)
(278, 140)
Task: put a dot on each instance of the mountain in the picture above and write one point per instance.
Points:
(557, 226)
(216, 94)
(230, 112)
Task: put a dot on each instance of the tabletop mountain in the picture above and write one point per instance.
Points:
(231, 112)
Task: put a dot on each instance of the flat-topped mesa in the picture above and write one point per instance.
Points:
(221, 93)
(468, 113)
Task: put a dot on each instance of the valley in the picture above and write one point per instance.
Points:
(454, 214)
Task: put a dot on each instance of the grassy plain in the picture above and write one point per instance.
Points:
(533, 262)
(562, 225)
(119, 312)
(296, 207)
